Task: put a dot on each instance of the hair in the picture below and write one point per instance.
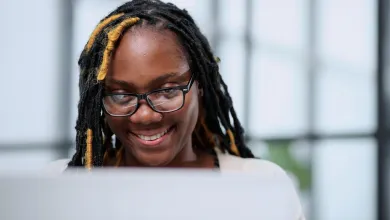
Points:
(218, 125)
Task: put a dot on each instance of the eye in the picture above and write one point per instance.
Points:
(170, 85)
(122, 99)
(117, 98)
(169, 93)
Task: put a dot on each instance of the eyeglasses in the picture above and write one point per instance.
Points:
(161, 100)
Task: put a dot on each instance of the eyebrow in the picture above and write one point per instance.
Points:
(157, 80)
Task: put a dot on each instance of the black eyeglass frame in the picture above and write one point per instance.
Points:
(185, 89)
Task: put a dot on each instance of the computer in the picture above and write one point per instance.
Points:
(143, 194)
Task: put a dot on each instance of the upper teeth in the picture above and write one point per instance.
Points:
(153, 137)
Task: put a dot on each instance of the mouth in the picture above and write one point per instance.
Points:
(151, 140)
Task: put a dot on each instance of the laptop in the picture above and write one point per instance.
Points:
(143, 194)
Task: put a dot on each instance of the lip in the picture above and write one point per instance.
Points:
(150, 132)
(156, 142)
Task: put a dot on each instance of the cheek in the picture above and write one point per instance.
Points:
(189, 112)
(115, 124)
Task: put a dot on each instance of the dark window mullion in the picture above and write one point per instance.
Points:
(383, 22)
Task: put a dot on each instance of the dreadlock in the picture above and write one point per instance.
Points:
(217, 126)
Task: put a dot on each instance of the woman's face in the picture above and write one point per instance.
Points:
(146, 60)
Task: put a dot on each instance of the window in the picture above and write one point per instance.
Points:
(315, 73)
(311, 79)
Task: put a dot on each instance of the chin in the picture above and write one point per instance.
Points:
(154, 160)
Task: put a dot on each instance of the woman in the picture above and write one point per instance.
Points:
(149, 77)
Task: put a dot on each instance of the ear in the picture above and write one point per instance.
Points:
(200, 90)
(200, 99)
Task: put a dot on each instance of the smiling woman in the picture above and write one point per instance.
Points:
(149, 78)
(152, 72)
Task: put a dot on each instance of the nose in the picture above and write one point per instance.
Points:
(145, 115)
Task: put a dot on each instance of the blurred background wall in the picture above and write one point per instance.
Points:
(309, 80)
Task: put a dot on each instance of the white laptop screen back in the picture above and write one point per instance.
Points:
(144, 195)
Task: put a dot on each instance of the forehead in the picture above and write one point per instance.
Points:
(144, 54)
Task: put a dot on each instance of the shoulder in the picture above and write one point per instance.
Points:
(267, 169)
(56, 167)
(233, 163)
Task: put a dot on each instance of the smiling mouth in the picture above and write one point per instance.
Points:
(153, 137)
(152, 140)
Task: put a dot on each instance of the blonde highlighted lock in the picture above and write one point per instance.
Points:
(113, 37)
(88, 152)
(99, 28)
(233, 146)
